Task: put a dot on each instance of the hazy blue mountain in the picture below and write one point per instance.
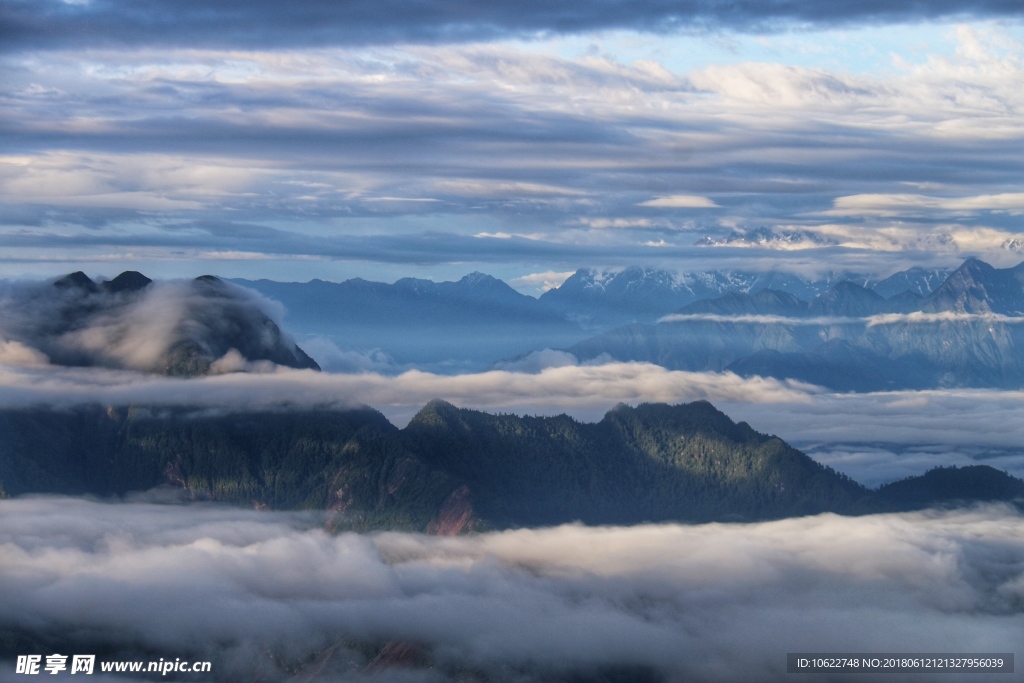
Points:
(842, 365)
(920, 281)
(764, 302)
(475, 320)
(643, 295)
(847, 299)
(840, 345)
(470, 323)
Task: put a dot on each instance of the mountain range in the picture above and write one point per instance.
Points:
(848, 337)
(470, 323)
(452, 470)
(474, 321)
(966, 332)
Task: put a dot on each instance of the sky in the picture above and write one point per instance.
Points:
(381, 140)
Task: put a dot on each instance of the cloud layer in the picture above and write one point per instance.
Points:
(259, 592)
(309, 156)
(565, 387)
(61, 24)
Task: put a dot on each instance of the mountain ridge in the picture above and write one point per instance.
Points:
(454, 469)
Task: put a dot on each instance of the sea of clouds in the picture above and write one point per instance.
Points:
(264, 595)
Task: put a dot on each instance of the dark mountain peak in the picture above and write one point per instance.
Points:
(76, 280)
(436, 412)
(210, 283)
(128, 281)
(211, 326)
(439, 404)
(944, 485)
(698, 416)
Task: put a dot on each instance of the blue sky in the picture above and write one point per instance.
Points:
(343, 140)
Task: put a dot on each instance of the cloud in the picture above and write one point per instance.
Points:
(779, 85)
(909, 204)
(759, 319)
(680, 201)
(244, 25)
(537, 361)
(541, 282)
(556, 386)
(915, 318)
(331, 358)
(880, 437)
(921, 318)
(16, 353)
(876, 463)
(261, 594)
(214, 153)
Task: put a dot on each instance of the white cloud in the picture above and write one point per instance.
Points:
(541, 282)
(758, 319)
(779, 86)
(555, 387)
(680, 201)
(916, 204)
(915, 318)
(16, 353)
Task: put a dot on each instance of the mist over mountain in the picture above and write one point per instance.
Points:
(183, 328)
(966, 333)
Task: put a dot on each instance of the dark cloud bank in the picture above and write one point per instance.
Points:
(32, 23)
(262, 594)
